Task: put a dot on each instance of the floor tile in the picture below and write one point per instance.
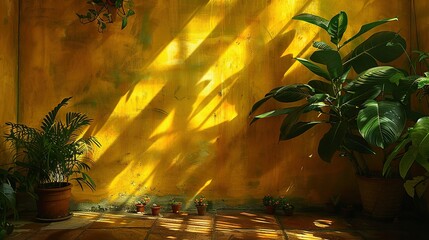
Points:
(123, 220)
(114, 234)
(231, 220)
(313, 222)
(249, 234)
(183, 227)
(322, 235)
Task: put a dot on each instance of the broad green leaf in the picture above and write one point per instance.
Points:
(331, 59)
(321, 45)
(416, 186)
(381, 46)
(407, 160)
(313, 19)
(381, 123)
(337, 26)
(298, 129)
(332, 141)
(365, 28)
(290, 120)
(293, 93)
(375, 77)
(314, 68)
(398, 148)
(420, 136)
(359, 97)
(422, 82)
(321, 87)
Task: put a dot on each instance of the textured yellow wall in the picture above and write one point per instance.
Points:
(8, 68)
(170, 94)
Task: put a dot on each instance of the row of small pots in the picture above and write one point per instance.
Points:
(175, 208)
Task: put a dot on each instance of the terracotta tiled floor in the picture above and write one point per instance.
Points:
(222, 225)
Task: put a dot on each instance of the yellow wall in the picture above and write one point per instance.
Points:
(170, 94)
(8, 68)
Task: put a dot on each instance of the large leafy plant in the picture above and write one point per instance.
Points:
(367, 110)
(56, 153)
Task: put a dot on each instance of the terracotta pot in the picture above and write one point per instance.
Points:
(381, 197)
(201, 210)
(140, 208)
(270, 209)
(175, 208)
(53, 203)
(156, 210)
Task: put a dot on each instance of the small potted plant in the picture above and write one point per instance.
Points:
(155, 209)
(175, 205)
(270, 204)
(201, 204)
(287, 207)
(141, 203)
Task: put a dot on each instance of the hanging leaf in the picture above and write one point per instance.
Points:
(357, 143)
(321, 87)
(293, 93)
(298, 129)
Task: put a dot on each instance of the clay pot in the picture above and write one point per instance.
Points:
(175, 208)
(270, 209)
(201, 210)
(140, 208)
(155, 210)
(53, 202)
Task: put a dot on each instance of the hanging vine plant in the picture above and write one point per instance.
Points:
(105, 11)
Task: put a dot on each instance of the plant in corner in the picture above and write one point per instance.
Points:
(105, 12)
(52, 156)
(365, 111)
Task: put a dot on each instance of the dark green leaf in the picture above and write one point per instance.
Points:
(293, 93)
(375, 77)
(332, 141)
(420, 136)
(356, 99)
(381, 123)
(398, 148)
(407, 161)
(365, 28)
(313, 19)
(274, 113)
(357, 143)
(331, 59)
(321, 87)
(337, 26)
(290, 120)
(124, 22)
(381, 46)
(298, 129)
(314, 68)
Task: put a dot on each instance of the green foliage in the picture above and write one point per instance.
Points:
(103, 12)
(365, 111)
(56, 152)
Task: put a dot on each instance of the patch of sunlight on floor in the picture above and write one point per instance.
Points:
(260, 220)
(230, 217)
(267, 234)
(323, 223)
(86, 215)
(108, 215)
(226, 225)
(248, 214)
(304, 235)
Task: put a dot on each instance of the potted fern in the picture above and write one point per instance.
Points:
(51, 156)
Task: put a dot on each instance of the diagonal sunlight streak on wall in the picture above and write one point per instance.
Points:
(193, 35)
(232, 61)
(127, 109)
